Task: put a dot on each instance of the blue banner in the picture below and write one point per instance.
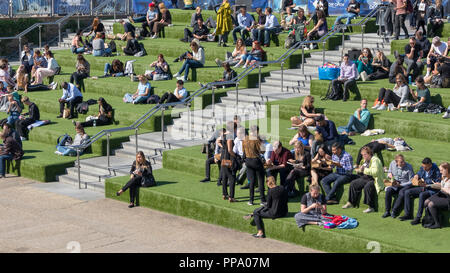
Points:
(69, 6)
(32, 7)
(337, 7)
(4, 8)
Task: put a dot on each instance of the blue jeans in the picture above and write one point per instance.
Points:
(100, 53)
(268, 32)
(140, 99)
(3, 159)
(140, 19)
(338, 179)
(13, 116)
(189, 64)
(78, 50)
(349, 17)
(241, 30)
(354, 125)
(249, 58)
(108, 71)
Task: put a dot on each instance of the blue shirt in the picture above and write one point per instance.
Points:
(271, 21)
(329, 132)
(346, 160)
(71, 93)
(152, 14)
(142, 88)
(245, 20)
(432, 175)
(181, 92)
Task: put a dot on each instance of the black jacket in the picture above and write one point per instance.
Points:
(33, 112)
(145, 172)
(277, 202)
(200, 30)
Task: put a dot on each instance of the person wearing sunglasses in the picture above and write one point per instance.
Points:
(413, 58)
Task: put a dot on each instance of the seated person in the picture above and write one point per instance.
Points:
(245, 22)
(115, 69)
(413, 58)
(104, 116)
(436, 18)
(347, 77)
(376, 146)
(11, 150)
(271, 27)
(258, 26)
(77, 43)
(23, 83)
(13, 110)
(423, 42)
(39, 61)
(27, 58)
(381, 65)
(162, 70)
(400, 174)
(299, 25)
(319, 30)
(422, 95)
(64, 146)
(27, 118)
(278, 162)
(325, 133)
(277, 206)
(142, 92)
(397, 68)
(164, 19)
(194, 60)
(132, 47)
(83, 71)
(5, 78)
(438, 203)
(255, 55)
(358, 122)
(98, 46)
(239, 52)
(149, 20)
(228, 75)
(307, 113)
(364, 63)
(398, 97)
(301, 167)
(313, 208)
(71, 97)
(318, 5)
(52, 68)
(197, 14)
(128, 28)
(199, 32)
(304, 136)
(319, 165)
(440, 76)
(97, 28)
(287, 21)
(179, 94)
(352, 11)
(9, 131)
(438, 49)
(371, 179)
(430, 174)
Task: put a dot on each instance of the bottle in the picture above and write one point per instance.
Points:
(95, 122)
(409, 80)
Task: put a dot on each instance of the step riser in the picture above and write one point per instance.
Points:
(286, 82)
(92, 186)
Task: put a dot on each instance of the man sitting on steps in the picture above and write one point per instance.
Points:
(347, 77)
(71, 96)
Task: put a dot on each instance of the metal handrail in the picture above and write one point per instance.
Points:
(187, 102)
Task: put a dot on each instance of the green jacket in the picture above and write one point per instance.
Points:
(376, 170)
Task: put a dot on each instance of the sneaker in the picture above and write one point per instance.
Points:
(382, 107)
(369, 210)
(23, 138)
(54, 85)
(176, 74)
(154, 37)
(201, 84)
(446, 115)
(347, 206)
(416, 110)
(218, 62)
(176, 60)
(332, 202)
(391, 107)
(58, 153)
(250, 203)
(364, 76)
(245, 66)
(263, 204)
(180, 78)
(237, 65)
(376, 106)
(311, 46)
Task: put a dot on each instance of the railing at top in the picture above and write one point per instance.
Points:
(58, 22)
(212, 85)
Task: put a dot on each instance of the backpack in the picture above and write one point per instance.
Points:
(289, 42)
(113, 46)
(142, 52)
(64, 140)
(153, 99)
(335, 92)
(83, 108)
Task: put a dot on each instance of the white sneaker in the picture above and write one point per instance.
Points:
(176, 75)
(347, 206)
(237, 65)
(311, 46)
(446, 115)
(391, 107)
(364, 76)
(376, 106)
(416, 110)
(369, 210)
(180, 78)
(244, 66)
(54, 85)
(382, 107)
(154, 37)
(23, 138)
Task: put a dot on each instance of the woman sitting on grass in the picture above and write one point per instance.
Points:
(50, 70)
(239, 52)
(319, 30)
(194, 60)
(132, 47)
(304, 136)
(398, 97)
(63, 147)
(22, 82)
(422, 94)
(98, 45)
(364, 63)
(141, 175)
(83, 71)
(254, 56)
(313, 206)
(104, 116)
(77, 43)
(115, 69)
(277, 206)
(13, 110)
(440, 202)
(162, 70)
(142, 92)
(307, 113)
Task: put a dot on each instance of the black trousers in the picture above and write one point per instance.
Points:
(283, 174)
(147, 28)
(228, 179)
(379, 74)
(258, 215)
(133, 184)
(78, 78)
(294, 175)
(347, 85)
(376, 148)
(188, 36)
(38, 87)
(390, 193)
(441, 202)
(389, 96)
(99, 122)
(255, 171)
(208, 164)
(21, 126)
(129, 52)
(168, 97)
(70, 104)
(400, 22)
(435, 26)
(421, 23)
(356, 188)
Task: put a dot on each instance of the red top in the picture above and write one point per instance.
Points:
(281, 158)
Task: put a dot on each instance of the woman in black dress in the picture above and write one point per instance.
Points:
(140, 175)
(277, 206)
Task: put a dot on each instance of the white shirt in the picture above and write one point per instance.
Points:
(237, 149)
(52, 64)
(439, 49)
(199, 56)
(271, 21)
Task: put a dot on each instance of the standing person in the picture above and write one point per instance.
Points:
(277, 207)
(441, 201)
(325, 133)
(358, 122)
(142, 93)
(352, 11)
(343, 162)
(104, 116)
(179, 94)
(228, 174)
(83, 71)
(245, 21)
(302, 167)
(347, 77)
(23, 121)
(422, 8)
(165, 19)
(215, 157)
(371, 180)
(11, 150)
(194, 60)
(255, 169)
(140, 174)
(400, 17)
(278, 162)
(257, 26)
(400, 173)
(271, 27)
(313, 207)
(71, 96)
(413, 58)
(389, 18)
(430, 174)
(224, 23)
(381, 66)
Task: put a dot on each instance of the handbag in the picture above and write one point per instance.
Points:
(148, 181)
(66, 113)
(227, 163)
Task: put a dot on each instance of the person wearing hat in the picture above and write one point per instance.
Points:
(326, 133)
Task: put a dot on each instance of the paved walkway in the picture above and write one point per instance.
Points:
(52, 217)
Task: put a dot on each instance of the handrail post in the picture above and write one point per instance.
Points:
(343, 43)
(213, 100)
(379, 20)
(282, 77)
(189, 122)
(10, 8)
(115, 3)
(40, 36)
(323, 52)
(59, 32)
(362, 36)
(92, 7)
(78, 21)
(303, 60)
(20, 46)
(237, 96)
(259, 79)
(136, 138)
(162, 124)
(107, 150)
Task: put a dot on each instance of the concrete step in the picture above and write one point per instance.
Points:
(92, 185)
(265, 95)
(287, 81)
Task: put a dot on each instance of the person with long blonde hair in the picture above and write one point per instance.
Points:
(307, 113)
(440, 201)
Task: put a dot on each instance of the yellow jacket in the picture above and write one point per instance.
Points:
(224, 23)
(376, 170)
